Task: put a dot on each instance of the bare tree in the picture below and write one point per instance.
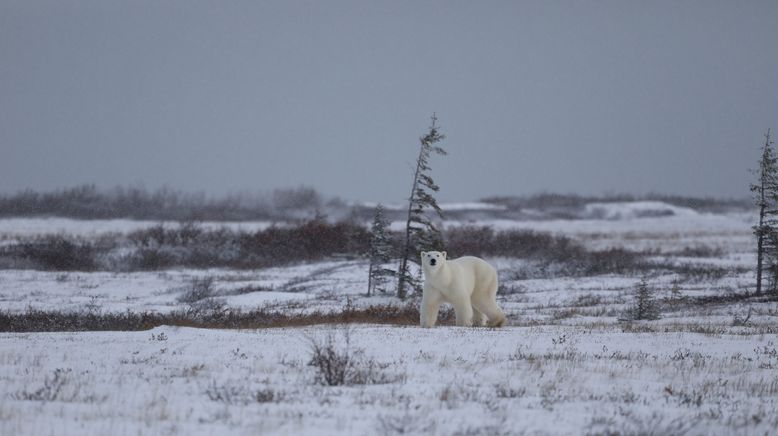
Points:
(420, 232)
(380, 253)
(766, 196)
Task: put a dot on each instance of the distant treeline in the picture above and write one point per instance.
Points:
(88, 202)
(297, 205)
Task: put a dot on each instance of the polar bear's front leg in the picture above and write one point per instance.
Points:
(463, 310)
(478, 317)
(430, 304)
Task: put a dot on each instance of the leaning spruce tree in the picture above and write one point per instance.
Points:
(380, 253)
(420, 232)
(766, 196)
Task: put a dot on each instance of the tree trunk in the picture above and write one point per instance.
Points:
(759, 242)
(404, 260)
(370, 278)
(760, 235)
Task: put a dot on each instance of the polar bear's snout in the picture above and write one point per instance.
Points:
(433, 258)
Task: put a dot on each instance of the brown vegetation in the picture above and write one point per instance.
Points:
(45, 321)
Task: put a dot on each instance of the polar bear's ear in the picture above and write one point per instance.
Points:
(423, 253)
(444, 254)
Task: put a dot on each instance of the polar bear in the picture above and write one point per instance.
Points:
(468, 283)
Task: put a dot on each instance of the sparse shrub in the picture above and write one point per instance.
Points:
(152, 259)
(737, 321)
(560, 340)
(695, 272)
(332, 364)
(336, 366)
(266, 396)
(160, 337)
(653, 425)
(511, 289)
(229, 394)
(684, 398)
(520, 354)
(503, 391)
(549, 395)
(699, 250)
(588, 300)
(52, 388)
(614, 260)
(209, 308)
(495, 428)
(199, 288)
(239, 394)
(201, 300)
(407, 423)
(93, 306)
(58, 253)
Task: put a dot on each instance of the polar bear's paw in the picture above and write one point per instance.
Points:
(497, 322)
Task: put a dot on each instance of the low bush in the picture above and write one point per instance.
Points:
(483, 241)
(51, 321)
(59, 253)
(192, 246)
(199, 288)
(51, 389)
(338, 364)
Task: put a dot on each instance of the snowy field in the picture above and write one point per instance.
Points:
(444, 381)
(566, 364)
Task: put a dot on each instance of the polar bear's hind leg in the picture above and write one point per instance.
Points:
(484, 302)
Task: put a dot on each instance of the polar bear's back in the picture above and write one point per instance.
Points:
(474, 271)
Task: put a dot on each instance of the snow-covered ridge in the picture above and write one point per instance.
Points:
(635, 209)
(458, 206)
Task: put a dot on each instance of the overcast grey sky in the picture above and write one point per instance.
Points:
(561, 96)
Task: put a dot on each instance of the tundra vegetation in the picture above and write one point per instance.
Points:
(624, 317)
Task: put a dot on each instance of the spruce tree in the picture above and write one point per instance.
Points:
(675, 292)
(420, 232)
(380, 253)
(766, 196)
(646, 306)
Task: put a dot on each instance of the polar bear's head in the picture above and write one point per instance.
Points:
(432, 259)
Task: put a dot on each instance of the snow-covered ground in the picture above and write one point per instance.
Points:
(564, 365)
(443, 381)
(159, 291)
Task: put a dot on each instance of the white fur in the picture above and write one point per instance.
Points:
(468, 283)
